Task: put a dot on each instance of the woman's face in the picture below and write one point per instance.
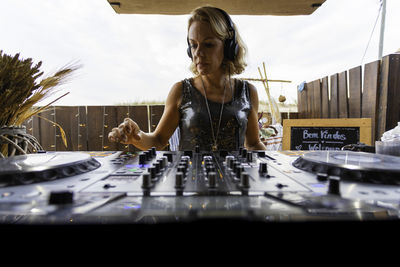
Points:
(207, 49)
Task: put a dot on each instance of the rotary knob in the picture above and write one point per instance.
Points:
(263, 168)
(334, 185)
(179, 180)
(212, 177)
(244, 180)
(146, 182)
(142, 159)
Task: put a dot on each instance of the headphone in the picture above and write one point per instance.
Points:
(231, 46)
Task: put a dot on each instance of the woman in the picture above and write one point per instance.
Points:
(213, 111)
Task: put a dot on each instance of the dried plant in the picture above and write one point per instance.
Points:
(20, 89)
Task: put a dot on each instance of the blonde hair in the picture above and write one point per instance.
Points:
(220, 28)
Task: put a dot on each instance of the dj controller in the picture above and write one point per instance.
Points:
(152, 187)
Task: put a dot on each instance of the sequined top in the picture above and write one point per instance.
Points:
(194, 124)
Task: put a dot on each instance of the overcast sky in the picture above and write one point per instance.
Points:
(129, 58)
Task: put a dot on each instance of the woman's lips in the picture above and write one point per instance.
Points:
(202, 64)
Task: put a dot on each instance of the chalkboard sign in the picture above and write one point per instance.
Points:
(325, 134)
(323, 138)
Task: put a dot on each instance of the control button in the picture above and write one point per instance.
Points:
(322, 177)
(146, 182)
(212, 177)
(263, 167)
(249, 156)
(147, 154)
(157, 166)
(236, 165)
(244, 153)
(280, 186)
(164, 161)
(261, 153)
(169, 156)
(142, 159)
(61, 197)
(334, 185)
(179, 180)
(108, 186)
(182, 169)
(161, 163)
(152, 171)
(153, 151)
(244, 180)
(239, 171)
(228, 160)
(188, 153)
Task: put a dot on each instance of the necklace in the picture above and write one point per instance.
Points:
(214, 147)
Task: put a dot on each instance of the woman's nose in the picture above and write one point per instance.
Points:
(198, 51)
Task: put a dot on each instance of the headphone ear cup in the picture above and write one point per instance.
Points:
(231, 49)
(189, 50)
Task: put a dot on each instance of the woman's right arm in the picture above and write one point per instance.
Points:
(128, 132)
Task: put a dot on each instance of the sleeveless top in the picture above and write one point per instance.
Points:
(194, 124)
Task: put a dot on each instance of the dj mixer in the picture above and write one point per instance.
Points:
(151, 187)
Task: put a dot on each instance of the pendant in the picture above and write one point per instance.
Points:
(214, 147)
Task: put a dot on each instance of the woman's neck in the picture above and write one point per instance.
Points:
(215, 82)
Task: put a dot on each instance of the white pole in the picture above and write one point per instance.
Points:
(382, 28)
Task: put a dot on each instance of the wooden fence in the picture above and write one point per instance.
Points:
(86, 127)
(371, 91)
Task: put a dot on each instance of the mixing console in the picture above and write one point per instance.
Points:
(185, 186)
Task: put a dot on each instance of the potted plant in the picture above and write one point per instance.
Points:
(20, 90)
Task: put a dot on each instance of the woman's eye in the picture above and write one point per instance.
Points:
(209, 45)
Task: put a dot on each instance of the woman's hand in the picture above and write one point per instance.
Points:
(126, 133)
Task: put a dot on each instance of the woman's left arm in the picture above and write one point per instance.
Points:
(252, 140)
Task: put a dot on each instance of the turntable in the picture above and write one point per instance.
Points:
(36, 168)
(354, 166)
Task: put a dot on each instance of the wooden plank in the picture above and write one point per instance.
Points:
(299, 107)
(370, 95)
(113, 116)
(289, 115)
(310, 100)
(355, 92)
(95, 122)
(333, 106)
(317, 110)
(343, 104)
(140, 115)
(324, 98)
(65, 116)
(302, 100)
(156, 112)
(47, 129)
(389, 100)
(82, 133)
(36, 128)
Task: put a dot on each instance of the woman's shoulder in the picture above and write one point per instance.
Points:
(245, 87)
(180, 90)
